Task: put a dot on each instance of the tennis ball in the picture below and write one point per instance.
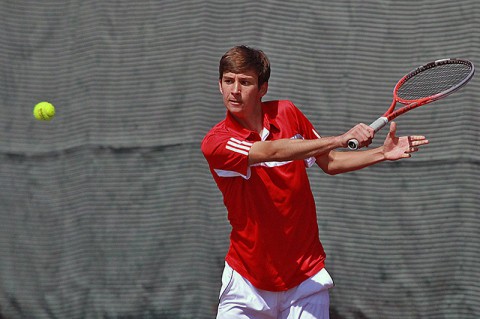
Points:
(44, 111)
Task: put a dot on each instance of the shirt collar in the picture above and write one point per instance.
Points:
(269, 122)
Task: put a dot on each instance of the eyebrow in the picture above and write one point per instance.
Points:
(241, 77)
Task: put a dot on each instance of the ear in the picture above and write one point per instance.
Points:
(263, 89)
(220, 86)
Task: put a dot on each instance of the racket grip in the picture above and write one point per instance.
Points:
(379, 123)
(376, 125)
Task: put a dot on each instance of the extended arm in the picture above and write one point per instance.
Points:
(292, 149)
(394, 148)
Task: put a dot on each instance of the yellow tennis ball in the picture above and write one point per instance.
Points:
(44, 111)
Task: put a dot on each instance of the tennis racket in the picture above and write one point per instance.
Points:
(425, 84)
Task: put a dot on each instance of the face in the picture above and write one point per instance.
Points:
(241, 94)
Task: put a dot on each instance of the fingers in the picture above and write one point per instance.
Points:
(363, 133)
(366, 134)
(402, 147)
(414, 142)
(393, 128)
(417, 140)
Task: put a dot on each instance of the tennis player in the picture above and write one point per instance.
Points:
(258, 155)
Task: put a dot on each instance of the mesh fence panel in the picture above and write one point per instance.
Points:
(109, 211)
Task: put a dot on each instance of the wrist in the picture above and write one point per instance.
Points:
(383, 155)
(339, 142)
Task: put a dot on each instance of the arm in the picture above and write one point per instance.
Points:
(291, 149)
(341, 162)
(394, 148)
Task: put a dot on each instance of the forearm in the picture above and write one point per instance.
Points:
(291, 149)
(341, 162)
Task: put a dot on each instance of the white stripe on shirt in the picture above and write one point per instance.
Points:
(236, 150)
(241, 147)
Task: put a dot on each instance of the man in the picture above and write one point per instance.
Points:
(258, 157)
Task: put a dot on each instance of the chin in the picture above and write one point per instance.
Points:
(235, 109)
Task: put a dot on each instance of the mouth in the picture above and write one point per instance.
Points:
(235, 102)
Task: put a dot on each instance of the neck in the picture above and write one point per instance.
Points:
(252, 122)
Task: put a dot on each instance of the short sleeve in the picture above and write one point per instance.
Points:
(226, 155)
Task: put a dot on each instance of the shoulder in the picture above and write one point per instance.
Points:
(218, 137)
(279, 104)
(281, 108)
(215, 132)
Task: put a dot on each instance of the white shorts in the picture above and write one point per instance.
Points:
(239, 299)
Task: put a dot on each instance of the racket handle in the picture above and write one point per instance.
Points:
(376, 125)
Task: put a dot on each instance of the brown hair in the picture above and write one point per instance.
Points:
(243, 58)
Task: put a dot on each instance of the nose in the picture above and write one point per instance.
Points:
(236, 87)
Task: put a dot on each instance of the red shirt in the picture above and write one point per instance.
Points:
(274, 241)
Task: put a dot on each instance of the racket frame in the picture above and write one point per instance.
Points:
(390, 114)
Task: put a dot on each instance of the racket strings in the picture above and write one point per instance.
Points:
(433, 81)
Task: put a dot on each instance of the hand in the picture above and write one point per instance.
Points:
(360, 132)
(395, 148)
